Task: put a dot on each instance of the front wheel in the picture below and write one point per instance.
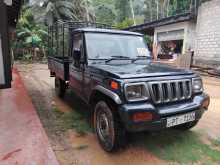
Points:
(108, 127)
(60, 87)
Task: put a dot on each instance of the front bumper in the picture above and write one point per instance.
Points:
(160, 113)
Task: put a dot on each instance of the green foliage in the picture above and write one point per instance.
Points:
(108, 11)
(216, 143)
(149, 41)
(29, 35)
(180, 147)
(71, 10)
(105, 14)
(72, 120)
(123, 10)
(28, 32)
(164, 8)
(124, 24)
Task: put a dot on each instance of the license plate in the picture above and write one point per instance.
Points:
(181, 119)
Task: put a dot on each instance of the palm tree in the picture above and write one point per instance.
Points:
(75, 10)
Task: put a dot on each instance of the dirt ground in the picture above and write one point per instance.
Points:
(73, 149)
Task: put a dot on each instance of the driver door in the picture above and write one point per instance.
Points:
(76, 69)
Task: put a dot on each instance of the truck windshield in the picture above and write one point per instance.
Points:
(108, 46)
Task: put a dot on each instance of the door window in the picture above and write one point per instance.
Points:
(78, 44)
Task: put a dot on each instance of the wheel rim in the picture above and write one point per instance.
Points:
(105, 128)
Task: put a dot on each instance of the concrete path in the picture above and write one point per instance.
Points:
(23, 140)
(210, 122)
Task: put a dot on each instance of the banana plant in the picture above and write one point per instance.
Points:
(32, 37)
(29, 35)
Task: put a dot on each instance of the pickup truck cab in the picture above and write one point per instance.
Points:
(113, 72)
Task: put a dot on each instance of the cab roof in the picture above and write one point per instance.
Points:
(109, 31)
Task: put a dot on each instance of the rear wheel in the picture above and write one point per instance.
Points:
(187, 126)
(109, 130)
(60, 87)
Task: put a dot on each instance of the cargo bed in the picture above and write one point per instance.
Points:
(59, 67)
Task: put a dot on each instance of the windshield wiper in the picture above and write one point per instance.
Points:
(141, 58)
(124, 57)
(118, 58)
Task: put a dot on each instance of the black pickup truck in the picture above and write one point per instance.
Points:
(113, 72)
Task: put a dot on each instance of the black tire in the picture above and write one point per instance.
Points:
(108, 127)
(187, 126)
(60, 87)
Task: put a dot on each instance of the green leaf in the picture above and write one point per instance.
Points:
(20, 34)
(28, 40)
(36, 39)
(42, 32)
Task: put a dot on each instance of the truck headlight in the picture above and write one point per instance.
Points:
(197, 85)
(136, 92)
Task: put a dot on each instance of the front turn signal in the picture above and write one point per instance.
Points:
(142, 116)
(114, 85)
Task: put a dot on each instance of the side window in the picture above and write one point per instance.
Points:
(77, 41)
(78, 45)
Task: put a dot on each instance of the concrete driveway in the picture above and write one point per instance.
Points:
(72, 148)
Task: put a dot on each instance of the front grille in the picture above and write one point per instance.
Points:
(170, 91)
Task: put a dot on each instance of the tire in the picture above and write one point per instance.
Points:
(187, 126)
(108, 127)
(60, 87)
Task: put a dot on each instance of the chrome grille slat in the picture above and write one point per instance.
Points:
(177, 90)
(184, 90)
(161, 92)
(170, 95)
(170, 91)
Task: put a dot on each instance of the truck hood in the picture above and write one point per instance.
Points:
(134, 70)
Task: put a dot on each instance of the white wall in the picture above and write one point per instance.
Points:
(2, 76)
(208, 32)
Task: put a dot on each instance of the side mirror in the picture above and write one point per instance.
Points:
(76, 54)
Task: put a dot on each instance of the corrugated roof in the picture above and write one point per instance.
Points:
(149, 27)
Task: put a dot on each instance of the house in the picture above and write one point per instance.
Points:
(197, 30)
(9, 11)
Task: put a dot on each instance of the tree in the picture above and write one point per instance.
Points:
(71, 10)
(29, 34)
(158, 9)
(105, 11)
(124, 24)
(123, 10)
(105, 14)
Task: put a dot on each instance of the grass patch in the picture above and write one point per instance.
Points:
(82, 147)
(216, 143)
(72, 120)
(180, 147)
